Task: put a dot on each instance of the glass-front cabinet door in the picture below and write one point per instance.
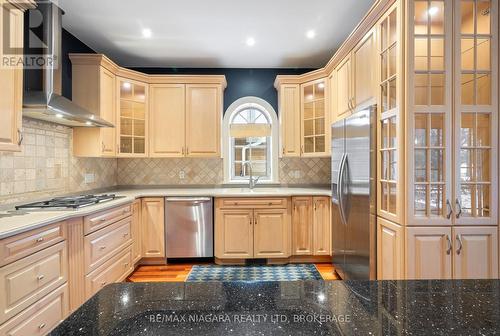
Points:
(315, 124)
(430, 145)
(476, 111)
(132, 118)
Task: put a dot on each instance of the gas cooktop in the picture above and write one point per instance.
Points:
(70, 202)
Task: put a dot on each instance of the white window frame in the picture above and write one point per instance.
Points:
(273, 151)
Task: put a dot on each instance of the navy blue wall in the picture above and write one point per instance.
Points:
(240, 82)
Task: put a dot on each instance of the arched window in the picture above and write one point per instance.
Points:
(250, 141)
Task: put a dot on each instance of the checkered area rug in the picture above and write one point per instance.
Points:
(292, 272)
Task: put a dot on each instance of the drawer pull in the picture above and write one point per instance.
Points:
(39, 240)
(270, 203)
(125, 234)
(102, 248)
(125, 264)
(125, 212)
(103, 219)
(103, 283)
(40, 277)
(41, 326)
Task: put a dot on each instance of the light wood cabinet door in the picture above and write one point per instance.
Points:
(11, 81)
(167, 120)
(153, 227)
(302, 226)
(315, 121)
(343, 94)
(234, 234)
(272, 233)
(203, 120)
(321, 226)
(428, 253)
(107, 97)
(136, 231)
(475, 252)
(289, 100)
(390, 250)
(363, 67)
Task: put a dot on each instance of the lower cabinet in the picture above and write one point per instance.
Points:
(153, 227)
(271, 233)
(136, 231)
(452, 252)
(311, 226)
(390, 250)
(234, 233)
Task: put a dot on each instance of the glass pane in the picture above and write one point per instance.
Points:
(319, 90)
(437, 89)
(126, 90)
(483, 17)
(420, 200)
(421, 92)
(437, 54)
(238, 171)
(319, 109)
(309, 145)
(238, 154)
(467, 19)
(467, 130)
(384, 32)
(437, 165)
(259, 168)
(308, 110)
(392, 197)
(125, 145)
(467, 89)
(392, 61)
(420, 130)
(420, 165)
(384, 63)
(385, 165)
(483, 201)
(126, 109)
(319, 126)
(466, 165)
(139, 128)
(139, 146)
(125, 126)
(319, 142)
(437, 130)
(139, 111)
(466, 194)
(436, 12)
(392, 29)
(467, 53)
(483, 165)
(385, 98)
(258, 154)
(385, 133)
(483, 83)
(393, 173)
(392, 94)
(483, 50)
(392, 132)
(308, 93)
(421, 53)
(139, 92)
(436, 200)
(421, 17)
(308, 127)
(483, 129)
(384, 191)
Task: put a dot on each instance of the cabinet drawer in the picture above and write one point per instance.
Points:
(28, 280)
(114, 270)
(40, 318)
(24, 244)
(102, 219)
(251, 203)
(102, 244)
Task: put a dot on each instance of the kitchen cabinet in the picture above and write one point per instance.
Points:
(390, 250)
(364, 71)
(344, 88)
(271, 233)
(153, 227)
(94, 88)
(11, 78)
(203, 120)
(234, 233)
(132, 118)
(136, 231)
(289, 118)
(167, 122)
(321, 226)
(315, 123)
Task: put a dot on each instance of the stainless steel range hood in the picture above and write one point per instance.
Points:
(42, 97)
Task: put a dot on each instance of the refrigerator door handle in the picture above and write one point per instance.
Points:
(340, 189)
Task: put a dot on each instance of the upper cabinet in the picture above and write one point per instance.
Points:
(343, 85)
(289, 116)
(154, 115)
(11, 77)
(315, 121)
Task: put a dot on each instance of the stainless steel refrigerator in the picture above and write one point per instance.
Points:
(354, 169)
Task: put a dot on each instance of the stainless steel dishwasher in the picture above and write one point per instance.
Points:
(189, 231)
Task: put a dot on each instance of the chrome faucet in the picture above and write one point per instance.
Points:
(252, 182)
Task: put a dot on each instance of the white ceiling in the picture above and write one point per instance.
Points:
(213, 33)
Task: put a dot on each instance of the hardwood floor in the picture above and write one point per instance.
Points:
(179, 273)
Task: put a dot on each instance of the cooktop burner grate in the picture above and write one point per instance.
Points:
(70, 202)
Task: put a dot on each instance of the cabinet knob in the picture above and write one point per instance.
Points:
(103, 219)
(39, 240)
(40, 277)
(103, 283)
(102, 248)
(125, 234)
(41, 326)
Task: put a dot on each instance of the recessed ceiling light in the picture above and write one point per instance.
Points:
(250, 41)
(88, 123)
(311, 34)
(433, 10)
(147, 33)
(59, 115)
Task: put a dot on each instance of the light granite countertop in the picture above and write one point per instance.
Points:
(15, 222)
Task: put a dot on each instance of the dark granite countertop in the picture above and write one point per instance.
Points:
(469, 307)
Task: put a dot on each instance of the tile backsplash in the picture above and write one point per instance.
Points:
(46, 167)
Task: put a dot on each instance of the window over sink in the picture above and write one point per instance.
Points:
(250, 141)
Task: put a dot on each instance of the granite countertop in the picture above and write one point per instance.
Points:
(440, 307)
(18, 222)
